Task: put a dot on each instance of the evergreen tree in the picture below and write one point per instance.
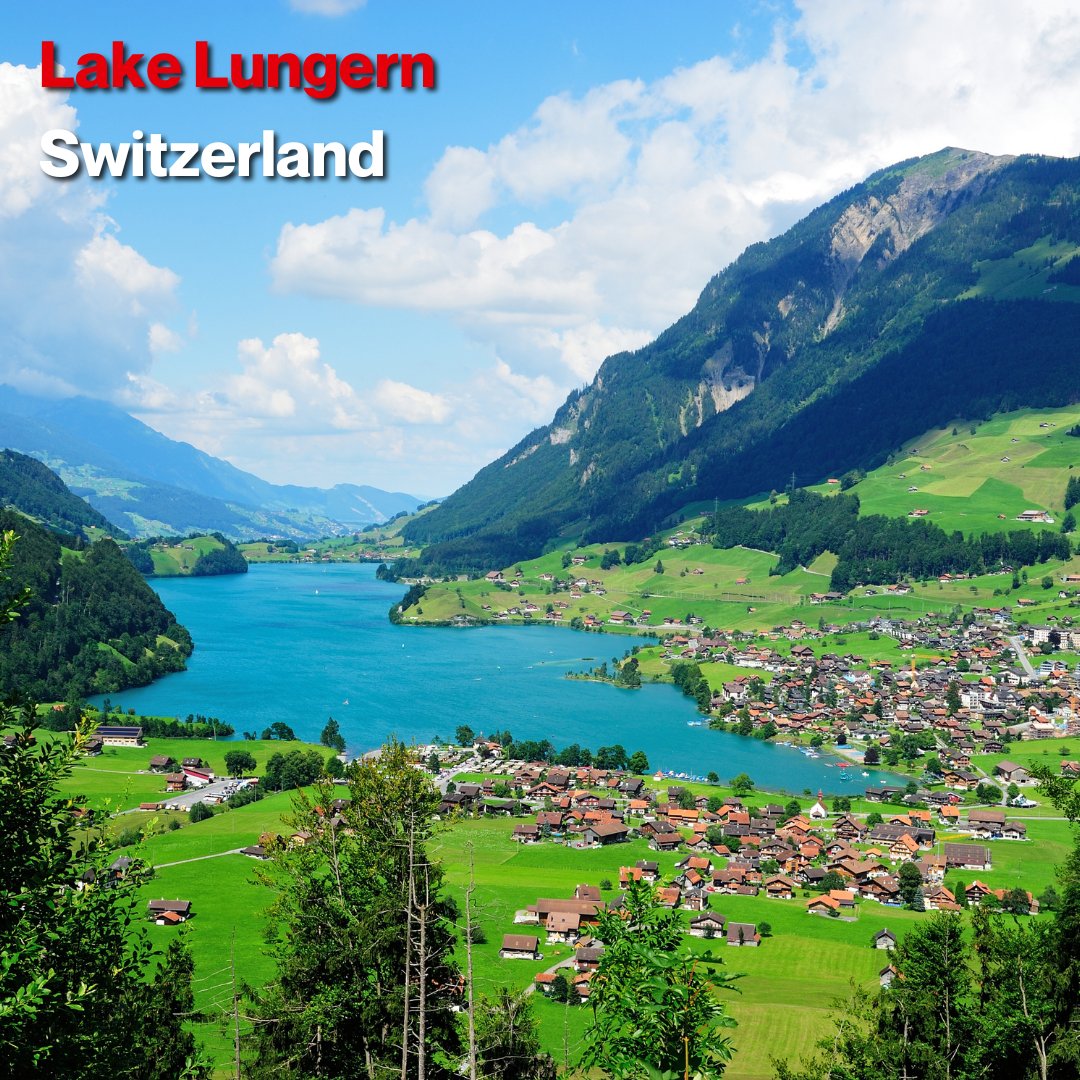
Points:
(360, 933)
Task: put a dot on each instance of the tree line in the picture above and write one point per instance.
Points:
(875, 549)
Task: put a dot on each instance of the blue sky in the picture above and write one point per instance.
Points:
(576, 178)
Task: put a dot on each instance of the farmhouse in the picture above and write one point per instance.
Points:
(520, 947)
(169, 912)
(116, 735)
(885, 939)
(741, 934)
(967, 857)
(701, 925)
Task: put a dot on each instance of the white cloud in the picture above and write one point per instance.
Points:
(77, 305)
(659, 185)
(105, 265)
(162, 339)
(326, 7)
(288, 380)
(26, 111)
(400, 401)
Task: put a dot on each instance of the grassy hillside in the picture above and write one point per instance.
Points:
(977, 476)
(172, 560)
(962, 481)
(381, 543)
(789, 982)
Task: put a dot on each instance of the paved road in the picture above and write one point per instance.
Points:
(1018, 647)
(198, 858)
(568, 962)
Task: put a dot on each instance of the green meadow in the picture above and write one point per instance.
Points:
(789, 983)
(119, 778)
(972, 476)
(173, 559)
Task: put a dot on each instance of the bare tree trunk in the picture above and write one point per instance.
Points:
(408, 960)
(468, 964)
(421, 1050)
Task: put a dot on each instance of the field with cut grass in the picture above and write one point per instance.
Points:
(119, 778)
(976, 475)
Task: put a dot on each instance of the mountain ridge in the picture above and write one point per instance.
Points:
(93, 445)
(743, 390)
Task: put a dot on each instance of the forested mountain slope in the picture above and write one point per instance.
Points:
(939, 287)
(35, 490)
(92, 625)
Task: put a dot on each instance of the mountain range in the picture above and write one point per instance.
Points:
(942, 287)
(147, 484)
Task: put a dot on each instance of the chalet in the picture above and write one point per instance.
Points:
(884, 939)
(118, 735)
(563, 927)
(520, 947)
(666, 841)
(538, 913)
(885, 976)
(707, 924)
(527, 834)
(743, 934)
(822, 905)
(779, 887)
(1010, 772)
(606, 832)
(160, 763)
(255, 851)
(175, 782)
(587, 957)
(967, 857)
(169, 912)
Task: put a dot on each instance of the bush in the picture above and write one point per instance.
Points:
(200, 811)
(129, 836)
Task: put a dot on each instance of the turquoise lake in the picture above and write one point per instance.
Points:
(296, 642)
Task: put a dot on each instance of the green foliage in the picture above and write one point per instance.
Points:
(331, 736)
(464, 735)
(360, 934)
(93, 624)
(903, 339)
(741, 784)
(224, 560)
(508, 1039)
(654, 1003)
(297, 768)
(240, 762)
(79, 995)
(34, 489)
(200, 811)
(279, 730)
(638, 763)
